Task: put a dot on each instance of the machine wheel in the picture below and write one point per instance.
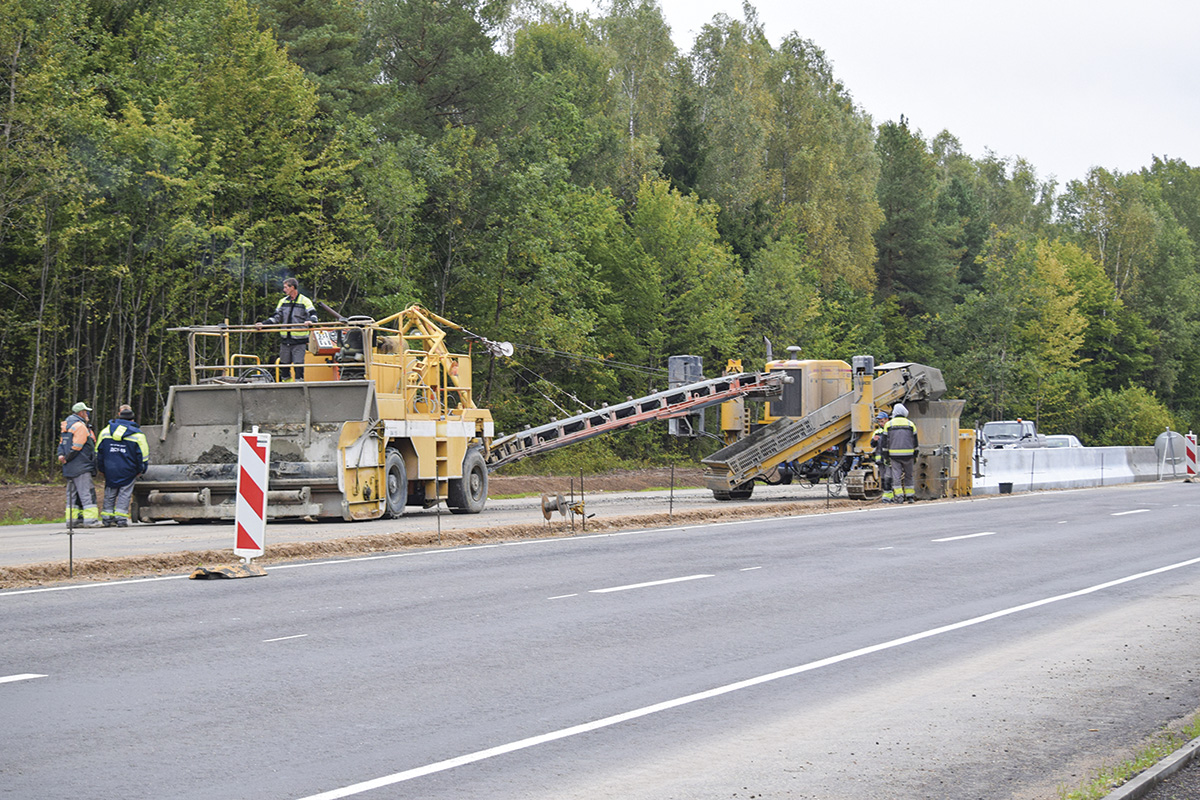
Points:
(397, 483)
(742, 492)
(469, 494)
(863, 484)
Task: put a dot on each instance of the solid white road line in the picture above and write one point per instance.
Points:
(25, 677)
(966, 536)
(648, 583)
(616, 719)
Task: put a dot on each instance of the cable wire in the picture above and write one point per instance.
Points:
(607, 362)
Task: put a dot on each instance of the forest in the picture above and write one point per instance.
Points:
(572, 183)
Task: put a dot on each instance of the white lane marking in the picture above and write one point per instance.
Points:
(285, 638)
(648, 583)
(889, 547)
(562, 596)
(748, 569)
(616, 719)
(93, 585)
(24, 677)
(966, 536)
(1135, 511)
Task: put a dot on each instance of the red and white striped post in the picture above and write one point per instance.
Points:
(250, 511)
(1190, 454)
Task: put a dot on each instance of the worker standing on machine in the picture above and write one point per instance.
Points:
(901, 448)
(293, 309)
(879, 444)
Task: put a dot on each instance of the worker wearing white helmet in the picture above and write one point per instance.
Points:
(901, 444)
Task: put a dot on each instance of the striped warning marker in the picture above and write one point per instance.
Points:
(1190, 450)
(250, 511)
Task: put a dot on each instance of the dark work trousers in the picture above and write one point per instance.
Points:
(292, 352)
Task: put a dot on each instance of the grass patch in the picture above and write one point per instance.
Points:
(591, 457)
(1110, 777)
(15, 516)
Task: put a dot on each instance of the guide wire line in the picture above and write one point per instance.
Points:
(607, 362)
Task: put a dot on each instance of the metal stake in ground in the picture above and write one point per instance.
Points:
(671, 497)
(70, 531)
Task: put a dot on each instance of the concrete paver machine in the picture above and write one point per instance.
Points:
(819, 429)
(383, 418)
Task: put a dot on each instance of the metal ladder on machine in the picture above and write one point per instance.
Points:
(673, 403)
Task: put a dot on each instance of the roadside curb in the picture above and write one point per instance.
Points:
(1141, 785)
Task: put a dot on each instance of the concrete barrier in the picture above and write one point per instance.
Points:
(1069, 468)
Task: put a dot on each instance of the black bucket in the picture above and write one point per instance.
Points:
(1006, 488)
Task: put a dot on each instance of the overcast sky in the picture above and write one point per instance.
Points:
(1065, 85)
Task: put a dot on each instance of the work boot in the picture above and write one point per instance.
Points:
(122, 523)
(93, 523)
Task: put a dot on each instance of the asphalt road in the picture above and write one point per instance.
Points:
(988, 649)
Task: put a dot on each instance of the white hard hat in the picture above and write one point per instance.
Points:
(899, 410)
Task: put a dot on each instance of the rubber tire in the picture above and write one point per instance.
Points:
(396, 477)
(468, 495)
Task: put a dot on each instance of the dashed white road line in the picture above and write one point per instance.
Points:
(616, 719)
(26, 676)
(648, 583)
(966, 536)
(285, 638)
(1135, 511)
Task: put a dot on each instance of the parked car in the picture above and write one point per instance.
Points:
(1010, 433)
(1062, 440)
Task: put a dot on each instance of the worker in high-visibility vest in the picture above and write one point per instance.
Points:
(123, 454)
(77, 454)
(902, 448)
(297, 310)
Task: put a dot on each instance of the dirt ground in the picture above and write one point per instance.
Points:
(44, 502)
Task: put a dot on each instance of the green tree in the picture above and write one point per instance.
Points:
(326, 38)
(702, 284)
(729, 60)
(1179, 185)
(1127, 417)
(1014, 347)
(914, 262)
(960, 209)
(784, 288)
(823, 166)
(438, 64)
(684, 147)
(638, 36)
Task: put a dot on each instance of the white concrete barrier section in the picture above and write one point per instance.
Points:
(1069, 467)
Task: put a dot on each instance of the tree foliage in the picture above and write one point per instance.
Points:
(574, 184)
